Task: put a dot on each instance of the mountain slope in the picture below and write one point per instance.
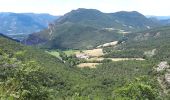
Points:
(87, 28)
(119, 20)
(19, 25)
(74, 36)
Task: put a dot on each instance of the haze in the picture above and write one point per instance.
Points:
(60, 7)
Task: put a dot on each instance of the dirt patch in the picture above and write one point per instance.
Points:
(90, 65)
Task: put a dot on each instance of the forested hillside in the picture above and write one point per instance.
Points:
(88, 28)
(34, 73)
(156, 40)
(84, 50)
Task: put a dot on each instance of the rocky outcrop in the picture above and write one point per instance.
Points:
(164, 76)
(162, 66)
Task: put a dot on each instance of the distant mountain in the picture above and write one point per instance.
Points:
(87, 28)
(129, 21)
(43, 19)
(164, 20)
(19, 25)
(159, 17)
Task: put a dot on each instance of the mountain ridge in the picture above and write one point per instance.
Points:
(70, 31)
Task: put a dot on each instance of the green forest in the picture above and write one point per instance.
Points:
(30, 73)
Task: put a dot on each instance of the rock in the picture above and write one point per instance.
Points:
(162, 66)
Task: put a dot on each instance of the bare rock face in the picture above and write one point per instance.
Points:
(162, 66)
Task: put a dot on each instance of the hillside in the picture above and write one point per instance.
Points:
(128, 21)
(88, 28)
(60, 80)
(152, 43)
(19, 25)
(59, 75)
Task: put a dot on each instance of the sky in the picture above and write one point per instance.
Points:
(60, 7)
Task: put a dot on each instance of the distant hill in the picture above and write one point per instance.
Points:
(19, 25)
(87, 28)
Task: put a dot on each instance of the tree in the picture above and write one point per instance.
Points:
(137, 90)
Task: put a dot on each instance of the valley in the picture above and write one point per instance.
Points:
(91, 57)
(85, 54)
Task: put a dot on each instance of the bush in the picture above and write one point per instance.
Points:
(22, 81)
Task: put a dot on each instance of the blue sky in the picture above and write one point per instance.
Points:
(60, 7)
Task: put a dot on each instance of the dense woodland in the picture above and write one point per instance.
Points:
(28, 73)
